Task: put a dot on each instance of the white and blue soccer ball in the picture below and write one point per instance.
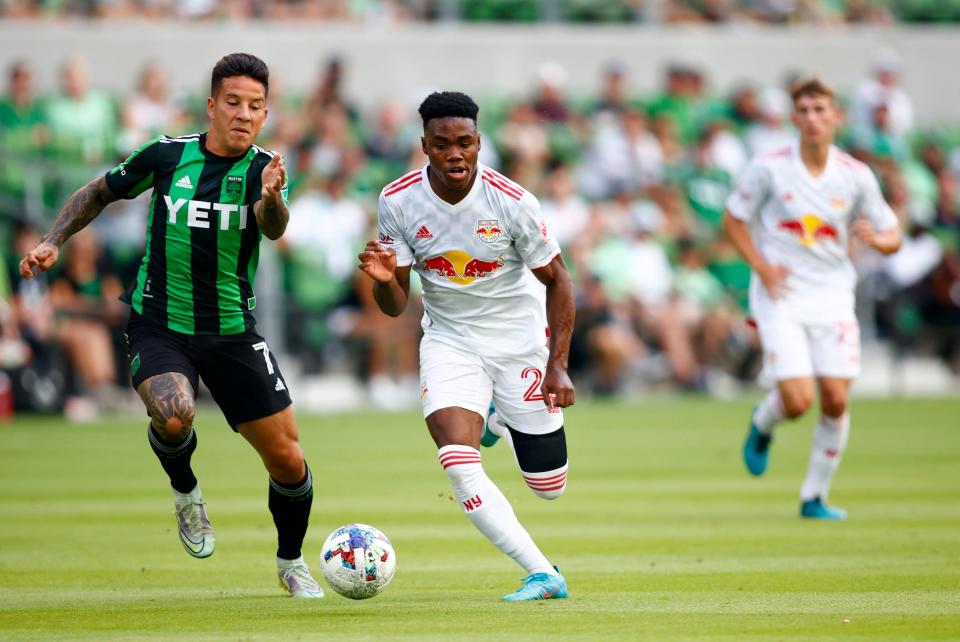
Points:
(358, 561)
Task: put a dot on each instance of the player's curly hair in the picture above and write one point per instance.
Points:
(442, 104)
(239, 64)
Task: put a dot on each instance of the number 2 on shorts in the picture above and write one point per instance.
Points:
(533, 392)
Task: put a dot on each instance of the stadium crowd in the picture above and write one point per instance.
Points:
(633, 186)
(818, 12)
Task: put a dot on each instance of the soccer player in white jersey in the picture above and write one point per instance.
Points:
(791, 216)
(499, 311)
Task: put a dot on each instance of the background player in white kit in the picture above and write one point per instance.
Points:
(791, 216)
(499, 311)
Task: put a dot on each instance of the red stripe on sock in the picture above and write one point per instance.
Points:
(544, 479)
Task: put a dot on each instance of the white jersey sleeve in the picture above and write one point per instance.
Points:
(748, 197)
(532, 239)
(872, 205)
(390, 232)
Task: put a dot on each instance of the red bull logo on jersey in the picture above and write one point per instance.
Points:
(460, 267)
(809, 229)
(488, 230)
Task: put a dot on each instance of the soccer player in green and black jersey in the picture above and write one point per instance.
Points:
(214, 195)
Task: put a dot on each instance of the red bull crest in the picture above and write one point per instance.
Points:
(809, 229)
(488, 230)
(460, 267)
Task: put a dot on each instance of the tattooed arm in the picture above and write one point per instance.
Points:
(84, 206)
(271, 210)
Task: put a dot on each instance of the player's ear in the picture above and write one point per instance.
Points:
(478, 141)
(423, 144)
(210, 104)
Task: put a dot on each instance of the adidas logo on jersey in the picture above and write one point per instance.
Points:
(185, 183)
(424, 233)
(279, 385)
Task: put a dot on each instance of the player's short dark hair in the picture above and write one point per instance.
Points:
(810, 86)
(442, 104)
(239, 64)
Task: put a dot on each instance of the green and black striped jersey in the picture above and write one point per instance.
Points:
(197, 273)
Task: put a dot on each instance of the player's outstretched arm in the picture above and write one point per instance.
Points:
(391, 284)
(81, 208)
(271, 210)
(557, 388)
(772, 276)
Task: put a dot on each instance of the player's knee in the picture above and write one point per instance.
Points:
(796, 405)
(833, 403)
(548, 484)
(285, 462)
(173, 420)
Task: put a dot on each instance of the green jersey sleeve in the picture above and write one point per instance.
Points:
(135, 175)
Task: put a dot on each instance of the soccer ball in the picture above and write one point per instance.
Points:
(358, 561)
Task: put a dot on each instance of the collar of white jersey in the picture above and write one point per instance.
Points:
(798, 159)
(475, 189)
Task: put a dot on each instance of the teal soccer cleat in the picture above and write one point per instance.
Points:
(756, 450)
(489, 438)
(540, 586)
(816, 509)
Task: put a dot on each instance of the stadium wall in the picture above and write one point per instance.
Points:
(408, 61)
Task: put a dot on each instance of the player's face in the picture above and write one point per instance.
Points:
(817, 118)
(237, 113)
(452, 144)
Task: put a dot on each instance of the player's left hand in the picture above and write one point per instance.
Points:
(273, 178)
(557, 388)
(865, 232)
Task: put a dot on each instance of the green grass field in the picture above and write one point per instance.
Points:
(661, 534)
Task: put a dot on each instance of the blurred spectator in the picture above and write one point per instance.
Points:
(883, 89)
(603, 345)
(22, 136)
(320, 248)
(681, 101)
(82, 120)
(550, 103)
(149, 112)
(613, 92)
(87, 308)
(566, 213)
(771, 130)
(744, 107)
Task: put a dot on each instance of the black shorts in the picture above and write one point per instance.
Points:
(239, 369)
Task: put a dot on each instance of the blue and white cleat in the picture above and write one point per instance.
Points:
(540, 586)
(756, 450)
(489, 438)
(816, 509)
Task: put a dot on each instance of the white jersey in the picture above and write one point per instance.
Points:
(802, 223)
(474, 259)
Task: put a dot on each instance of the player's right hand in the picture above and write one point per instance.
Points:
(774, 280)
(377, 261)
(39, 259)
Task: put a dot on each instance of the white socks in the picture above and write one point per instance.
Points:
(488, 509)
(829, 442)
(769, 412)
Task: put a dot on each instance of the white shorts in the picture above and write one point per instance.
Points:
(793, 350)
(455, 376)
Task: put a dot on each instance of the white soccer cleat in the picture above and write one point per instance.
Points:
(196, 533)
(296, 580)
